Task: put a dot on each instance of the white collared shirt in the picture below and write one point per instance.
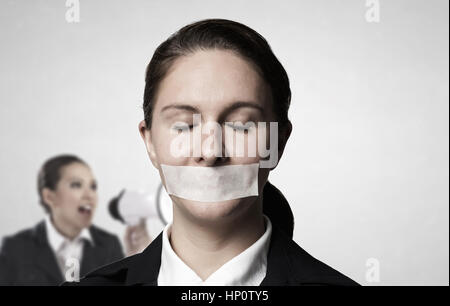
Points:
(246, 269)
(65, 248)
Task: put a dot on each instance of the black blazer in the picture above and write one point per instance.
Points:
(26, 258)
(287, 264)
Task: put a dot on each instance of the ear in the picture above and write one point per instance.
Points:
(48, 197)
(146, 136)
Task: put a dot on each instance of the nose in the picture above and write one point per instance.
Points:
(89, 193)
(212, 150)
(210, 161)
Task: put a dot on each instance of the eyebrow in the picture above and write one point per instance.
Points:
(240, 104)
(181, 107)
(229, 109)
(75, 178)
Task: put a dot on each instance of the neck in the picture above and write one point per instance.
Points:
(205, 248)
(64, 228)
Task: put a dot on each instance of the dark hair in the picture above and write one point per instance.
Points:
(224, 35)
(276, 207)
(50, 174)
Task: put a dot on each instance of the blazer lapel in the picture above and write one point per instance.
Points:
(45, 259)
(278, 271)
(95, 254)
(144, 270)
(90, 259)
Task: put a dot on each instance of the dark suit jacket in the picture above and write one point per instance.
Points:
(287, 264)
(26, 258)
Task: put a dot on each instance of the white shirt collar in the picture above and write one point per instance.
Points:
(55, 239)
(246, 269)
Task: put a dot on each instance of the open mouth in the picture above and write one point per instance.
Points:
(85, 210)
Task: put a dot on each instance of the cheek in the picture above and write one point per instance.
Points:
(170, 148)
(246, 148)
(69, 199)
(95, 198)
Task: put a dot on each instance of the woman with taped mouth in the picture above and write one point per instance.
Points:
(65, 245)
(232, 230)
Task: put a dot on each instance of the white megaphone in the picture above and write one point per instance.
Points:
(132, 206)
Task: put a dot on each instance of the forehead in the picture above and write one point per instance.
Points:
(210, 80)
(76, 170)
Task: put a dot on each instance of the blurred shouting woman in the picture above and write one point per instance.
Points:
(64, 246)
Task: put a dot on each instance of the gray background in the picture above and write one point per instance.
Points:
(365, 170)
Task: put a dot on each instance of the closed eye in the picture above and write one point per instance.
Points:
(75, 185)
(182, 127)
(239, 127)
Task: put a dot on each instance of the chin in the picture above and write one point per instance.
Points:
(84, 223)
(214, 212)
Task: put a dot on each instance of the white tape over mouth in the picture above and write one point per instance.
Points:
(211, 184)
